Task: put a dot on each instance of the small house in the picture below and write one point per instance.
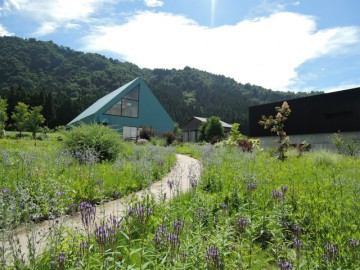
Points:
(191, 129)
(128, 109)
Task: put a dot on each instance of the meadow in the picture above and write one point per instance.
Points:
(247, 211)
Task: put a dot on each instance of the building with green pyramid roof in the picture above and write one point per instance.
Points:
(128, 109)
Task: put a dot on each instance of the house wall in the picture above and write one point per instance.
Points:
(151, 113)
(316, 141)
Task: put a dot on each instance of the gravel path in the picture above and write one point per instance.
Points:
(185, 170)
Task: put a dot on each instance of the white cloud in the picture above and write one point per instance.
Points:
(153, 3)
(4, 32)
(55, 13)
(266, 51)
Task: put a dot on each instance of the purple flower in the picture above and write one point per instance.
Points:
(241, 224)
(178, 225)
(353, 243)
(298, 244)
(170, 184)
(277, 195)
(331, 248)
(160, 236)
(224, 206)
(251, 186)
(213, 257)
(284, 189)
(193, 183)
(88, 212)
(61, 258)
(284, 265)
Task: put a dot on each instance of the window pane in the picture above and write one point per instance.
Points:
(115, 110)
(126, 132)
(133, 94)
(129, 108)
(133, 132)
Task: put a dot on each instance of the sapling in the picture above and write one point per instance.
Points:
(276, 124)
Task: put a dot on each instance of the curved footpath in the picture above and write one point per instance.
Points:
(186, 169)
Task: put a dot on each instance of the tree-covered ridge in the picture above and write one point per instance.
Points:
(65, 82)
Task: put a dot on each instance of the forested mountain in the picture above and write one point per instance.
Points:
(65, 82)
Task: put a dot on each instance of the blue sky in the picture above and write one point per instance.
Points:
(295, 45)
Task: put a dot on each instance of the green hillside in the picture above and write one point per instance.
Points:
(65, 82)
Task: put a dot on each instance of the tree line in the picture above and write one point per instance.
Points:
(65, 82)
(24, 118)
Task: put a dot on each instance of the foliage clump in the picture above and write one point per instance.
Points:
(103, 142)
(276, 124)
(147, 133)
(211, 130)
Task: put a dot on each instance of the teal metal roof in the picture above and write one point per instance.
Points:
(99, 104)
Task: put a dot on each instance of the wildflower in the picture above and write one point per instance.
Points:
(213, 257)
(353, 243)
(241, 224)
(170, 184)
(297, 230)
(178, 225)
(251, 186)
(284, 265)
(160, 236)
(277, 195)
(298, 244)
(331, 251)
(285, 105)
(279, 115)
(193, 183)
(87, 212)
(116, 194)
(286, 225)
(100, 182)
(61, 193)
(284, 189)
(224, 206)
(61, 259)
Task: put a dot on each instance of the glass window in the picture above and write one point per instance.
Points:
(129, 132)
(128, 106)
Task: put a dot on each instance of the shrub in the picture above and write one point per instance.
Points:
(211, 130)
(104, 142)
(245, 145)
(146, 133)
(169, 137)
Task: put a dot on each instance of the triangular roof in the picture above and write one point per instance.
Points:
(202, 119)
(99, 104)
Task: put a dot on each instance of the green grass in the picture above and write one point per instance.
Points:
(252, 209)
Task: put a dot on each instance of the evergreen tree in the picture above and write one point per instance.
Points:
(20, 116)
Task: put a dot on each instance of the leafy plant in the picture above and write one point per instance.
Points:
(211, 130)
(146, 133)
(98, 141)
(277, 125)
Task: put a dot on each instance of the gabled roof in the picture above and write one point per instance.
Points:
(224, 124)
(99, 104)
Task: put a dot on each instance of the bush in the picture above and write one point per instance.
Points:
(147, 133)
(169, 136)
(103, 142)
